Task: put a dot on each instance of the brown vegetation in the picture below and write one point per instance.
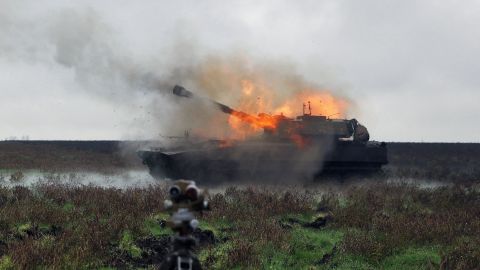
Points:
(82, 226)
(58, 226)
(381, 219)
(71, 226)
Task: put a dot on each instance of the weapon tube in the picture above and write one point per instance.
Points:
(182, 92)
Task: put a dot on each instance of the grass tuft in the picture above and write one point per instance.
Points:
(127, 245)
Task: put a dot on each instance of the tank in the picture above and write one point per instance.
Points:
(304, 146)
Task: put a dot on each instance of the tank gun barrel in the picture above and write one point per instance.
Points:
(251, 119)
(182, 92)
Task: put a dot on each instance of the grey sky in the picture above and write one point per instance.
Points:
(71, 70)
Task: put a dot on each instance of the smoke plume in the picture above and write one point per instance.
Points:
(89, 56)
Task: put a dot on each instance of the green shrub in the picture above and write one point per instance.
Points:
(127, 245)
(6, 263)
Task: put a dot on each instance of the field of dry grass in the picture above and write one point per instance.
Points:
(370, 224)
(382, 226)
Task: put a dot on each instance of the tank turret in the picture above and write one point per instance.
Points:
(307, 125)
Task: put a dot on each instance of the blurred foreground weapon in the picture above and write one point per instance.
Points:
(186, 199)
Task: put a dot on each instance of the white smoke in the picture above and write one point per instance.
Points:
(90, 58)
(55, 54)
(74, 53)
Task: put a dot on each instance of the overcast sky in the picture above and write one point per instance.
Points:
(89, 69)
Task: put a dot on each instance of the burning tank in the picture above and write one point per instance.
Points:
(289, 147)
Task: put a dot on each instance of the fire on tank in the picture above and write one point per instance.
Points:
(303, 146)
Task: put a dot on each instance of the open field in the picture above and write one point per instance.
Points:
(381, 226)
(452, 162)
(100, 156)
(360, 223)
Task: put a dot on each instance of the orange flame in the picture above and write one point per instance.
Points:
(320, 103)
(245, 125)
(251, 116)
(269, 87)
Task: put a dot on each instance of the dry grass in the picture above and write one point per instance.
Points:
(59, 226)
(382, 219)
(251, 217)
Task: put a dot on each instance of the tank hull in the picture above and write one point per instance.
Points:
(260, 160)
